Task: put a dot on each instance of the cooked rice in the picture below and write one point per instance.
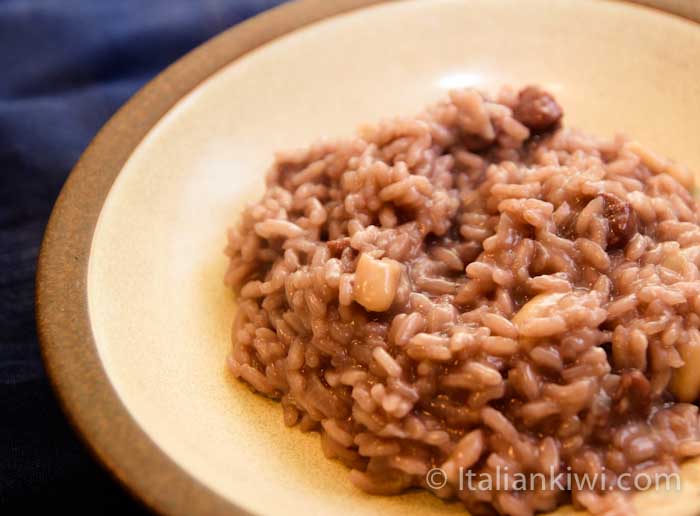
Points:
(472, 288)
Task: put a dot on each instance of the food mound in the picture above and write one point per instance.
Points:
(477, 289)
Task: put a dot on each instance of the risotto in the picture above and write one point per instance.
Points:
(477, 289)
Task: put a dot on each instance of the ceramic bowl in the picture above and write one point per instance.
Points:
(133, 316)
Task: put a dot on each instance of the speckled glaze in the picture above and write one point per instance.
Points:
(132, 313)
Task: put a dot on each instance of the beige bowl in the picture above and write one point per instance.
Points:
(134, 318)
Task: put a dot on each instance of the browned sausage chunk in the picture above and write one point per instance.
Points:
(633, 395)
(537, 109)
(622, 220)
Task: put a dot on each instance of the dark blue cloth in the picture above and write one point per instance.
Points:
(65, 68)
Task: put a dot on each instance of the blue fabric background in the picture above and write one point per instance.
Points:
(65, 68)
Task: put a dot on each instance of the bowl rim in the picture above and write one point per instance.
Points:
(68, 346)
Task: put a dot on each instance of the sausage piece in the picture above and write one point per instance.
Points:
(537, 109)
(622, 220)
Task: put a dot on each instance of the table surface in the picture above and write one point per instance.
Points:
(65, 67)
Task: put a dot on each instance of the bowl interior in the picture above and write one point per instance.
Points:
(159, 311)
